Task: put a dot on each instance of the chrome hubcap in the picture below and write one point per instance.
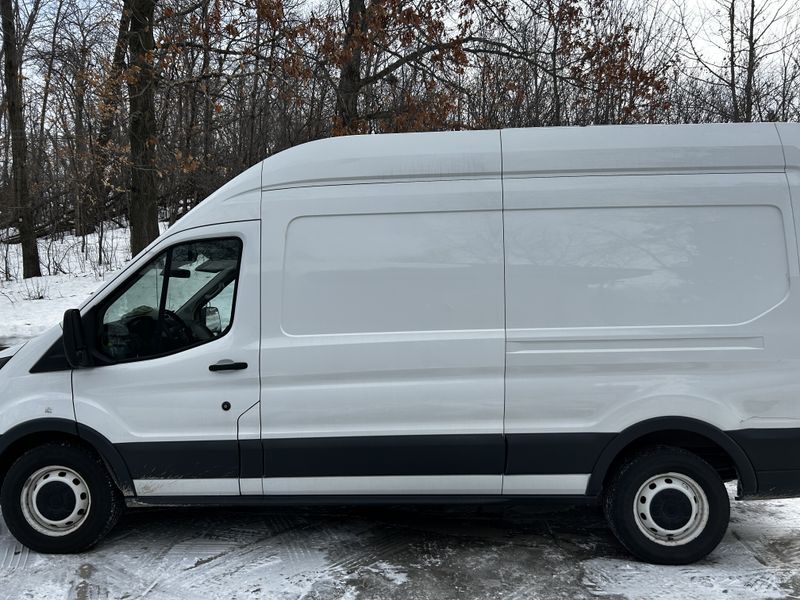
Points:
(55, 501)
(671, 509)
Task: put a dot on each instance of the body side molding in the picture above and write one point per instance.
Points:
(573, 453)
(449, 454)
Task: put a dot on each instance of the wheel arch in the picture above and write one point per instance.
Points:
(662, 430)
(22, 437)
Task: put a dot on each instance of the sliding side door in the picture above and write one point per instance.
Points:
(383, 339)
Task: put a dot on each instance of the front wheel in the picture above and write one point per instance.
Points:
(59, 498)
(667, 506)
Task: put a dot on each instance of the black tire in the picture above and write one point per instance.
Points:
(652, 467)
(105, 502)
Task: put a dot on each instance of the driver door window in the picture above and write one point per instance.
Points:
(183, 298)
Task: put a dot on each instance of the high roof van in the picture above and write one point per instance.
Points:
(602, 313)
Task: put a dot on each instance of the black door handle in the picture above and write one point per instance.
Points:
(228, 365)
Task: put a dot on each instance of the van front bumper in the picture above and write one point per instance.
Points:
(775, 456)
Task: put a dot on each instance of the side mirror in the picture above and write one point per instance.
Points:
(211, 319)
(75, 347)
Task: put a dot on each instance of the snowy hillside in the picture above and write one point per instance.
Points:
(72, 271)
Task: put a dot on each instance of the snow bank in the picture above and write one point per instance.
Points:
(73, 269)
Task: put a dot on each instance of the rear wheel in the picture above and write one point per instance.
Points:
(667, 506)
(59, 498)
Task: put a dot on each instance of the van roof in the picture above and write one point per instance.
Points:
(531, 152)
(537, 152)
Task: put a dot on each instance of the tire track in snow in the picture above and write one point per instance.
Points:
(251, 561)
(370, 551)
(14, 556)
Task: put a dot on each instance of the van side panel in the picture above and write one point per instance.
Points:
(383, 338)
(631, 298)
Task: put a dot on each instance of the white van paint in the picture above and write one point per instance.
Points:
(470, 313)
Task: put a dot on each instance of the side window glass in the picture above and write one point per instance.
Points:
(182, 298)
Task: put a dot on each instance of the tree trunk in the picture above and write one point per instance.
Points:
(19, 150)
(350, 74)
(751, 64)
(732, 58)
(556, 88)
(204, 86)
(41, 143)
(554, 18)
(103, 156)
(251, 130)
(109, 92)
(141, 90)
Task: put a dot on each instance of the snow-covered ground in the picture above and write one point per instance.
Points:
(510, 552)
(504, 552)
(72, 271)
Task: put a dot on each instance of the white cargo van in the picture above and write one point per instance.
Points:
(603, 313)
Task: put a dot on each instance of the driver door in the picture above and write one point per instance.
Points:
(176, 386)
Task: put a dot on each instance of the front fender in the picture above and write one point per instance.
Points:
(41, 428)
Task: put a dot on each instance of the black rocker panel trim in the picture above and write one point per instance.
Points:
(770, 449)
(317, 457)
(554, 453)
(775, 453)
(778, 484)
(251, 459)
(482, 454)
(178, 460)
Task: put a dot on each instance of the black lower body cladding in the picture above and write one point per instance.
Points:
(775, 455)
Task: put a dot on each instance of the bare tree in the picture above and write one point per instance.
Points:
(135, 110)
(19, 147)
(143, 134)
(734, 42)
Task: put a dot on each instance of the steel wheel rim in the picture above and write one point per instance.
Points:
(672, 483)
(39, 484)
